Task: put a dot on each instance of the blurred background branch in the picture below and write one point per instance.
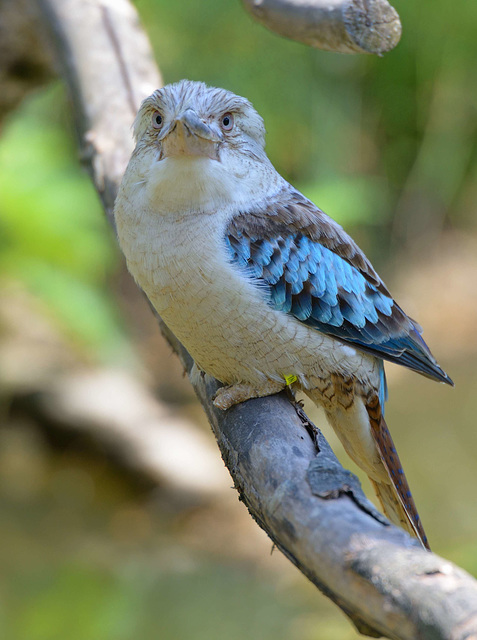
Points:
(66, 263)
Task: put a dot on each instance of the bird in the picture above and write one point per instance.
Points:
(263, 288)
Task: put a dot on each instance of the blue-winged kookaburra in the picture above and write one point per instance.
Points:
(257, 282)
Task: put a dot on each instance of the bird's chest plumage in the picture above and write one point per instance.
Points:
(181, 264)
(186, 275)
(221, 317)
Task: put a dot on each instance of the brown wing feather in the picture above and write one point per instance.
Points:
(289, 211)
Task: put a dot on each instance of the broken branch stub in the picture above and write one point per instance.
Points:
(343, 26)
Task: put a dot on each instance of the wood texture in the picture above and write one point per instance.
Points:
(344, 26)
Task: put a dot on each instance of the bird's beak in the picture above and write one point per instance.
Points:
(188, 135)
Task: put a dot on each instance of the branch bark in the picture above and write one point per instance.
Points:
(104, 55)
(344, 26)
(312, 509)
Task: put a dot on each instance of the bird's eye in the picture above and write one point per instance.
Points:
(156, 120)
(227, 122)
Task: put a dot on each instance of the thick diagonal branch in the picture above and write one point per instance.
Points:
(308, 504)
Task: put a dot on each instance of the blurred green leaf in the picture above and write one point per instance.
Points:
(54, 237)
(206, 602)
(350, 201)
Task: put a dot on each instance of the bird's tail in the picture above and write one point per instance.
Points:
(366, 438)
(396, 512)
(395, 497)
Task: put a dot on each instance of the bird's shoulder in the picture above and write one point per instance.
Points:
(290, 214)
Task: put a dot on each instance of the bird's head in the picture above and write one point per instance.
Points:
(190, 119)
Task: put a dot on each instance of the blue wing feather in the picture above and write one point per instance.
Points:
(324, 291)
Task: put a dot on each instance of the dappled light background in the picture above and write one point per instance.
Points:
(107, 537)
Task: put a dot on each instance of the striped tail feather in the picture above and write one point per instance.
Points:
(399, 514)
(395, 498)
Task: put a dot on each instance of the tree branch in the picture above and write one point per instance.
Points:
(312, 509)
(105, 57)
(344, 26)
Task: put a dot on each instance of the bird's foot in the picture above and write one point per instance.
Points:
(226, 397)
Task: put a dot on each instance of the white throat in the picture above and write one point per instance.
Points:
(204, 185)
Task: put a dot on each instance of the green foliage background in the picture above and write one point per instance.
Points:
(387, 146)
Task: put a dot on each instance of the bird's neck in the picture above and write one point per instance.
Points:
(205, 185)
